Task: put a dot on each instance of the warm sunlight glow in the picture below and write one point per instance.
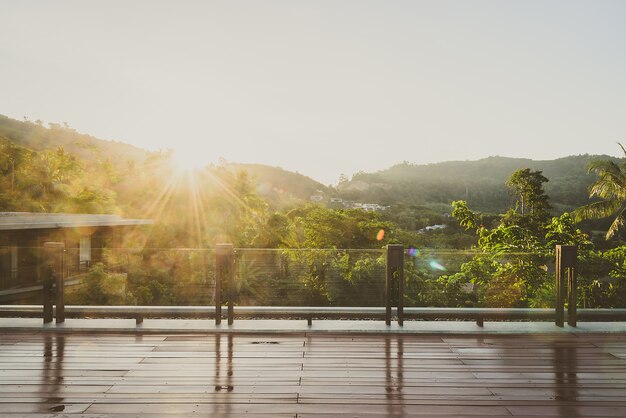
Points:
(189, 158)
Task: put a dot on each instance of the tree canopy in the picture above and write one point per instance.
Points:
(610, 189)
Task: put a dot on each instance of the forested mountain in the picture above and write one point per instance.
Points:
(279, 186)
(36, 136)
(481, 183)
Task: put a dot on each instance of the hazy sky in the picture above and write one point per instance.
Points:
(324, 87)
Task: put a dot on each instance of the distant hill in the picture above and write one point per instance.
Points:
(278, 185)
(481, 182)
(36, 136)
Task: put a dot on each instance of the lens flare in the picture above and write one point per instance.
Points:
(380, 235)
(436, 266)
(413, 252)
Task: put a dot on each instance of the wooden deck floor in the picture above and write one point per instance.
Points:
(44, 374)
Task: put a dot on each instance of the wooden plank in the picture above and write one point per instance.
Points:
(370, 375)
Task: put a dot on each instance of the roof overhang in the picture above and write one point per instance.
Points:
(11, 221)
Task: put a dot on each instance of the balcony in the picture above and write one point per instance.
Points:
(391, 284)
(231, 332)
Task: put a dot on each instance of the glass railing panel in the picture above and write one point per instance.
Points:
(601, 277)
(309, 277)
(21, 275)
(148, 276)
(454, 278)
(110, 276)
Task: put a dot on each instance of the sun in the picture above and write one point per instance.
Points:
(189, 158)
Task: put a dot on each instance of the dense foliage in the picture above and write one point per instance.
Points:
(291, 252)
(610, 189)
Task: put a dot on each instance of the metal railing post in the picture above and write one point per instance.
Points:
(231, 285)
(572, 290)
(53, 285)
(394, 281)
(218, 285)
(224, 268)
(48, 294)
(566, 268)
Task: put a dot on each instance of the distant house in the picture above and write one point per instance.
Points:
(23, 235)
(368, 207)
(431, 228)
(374, 207)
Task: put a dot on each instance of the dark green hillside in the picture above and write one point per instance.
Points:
(481, 183)
(36, 136)
(278, 185)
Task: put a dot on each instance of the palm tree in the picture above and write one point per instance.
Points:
(610, 187)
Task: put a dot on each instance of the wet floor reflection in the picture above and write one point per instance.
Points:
(52, 371)
(223, 384)
(566, 365)
(394, 375)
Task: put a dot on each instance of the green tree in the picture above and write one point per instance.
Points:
(273, 232)
(315, 226)
(467, 219)
(12, 156)
(12, 160)
(512, 264)
(532, 207)
(51, 173)
(562, 230)
(100, 287)
(239, 211)
(610, 188)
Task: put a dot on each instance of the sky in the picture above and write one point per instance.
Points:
(323, 87)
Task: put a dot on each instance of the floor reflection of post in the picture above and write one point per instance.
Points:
(394, 386)
(52, 376)
(400, 371)
(566, 379)
(228, 386)
(229, 376)
(218, 361)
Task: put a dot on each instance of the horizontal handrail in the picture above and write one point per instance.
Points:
(310, 312)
